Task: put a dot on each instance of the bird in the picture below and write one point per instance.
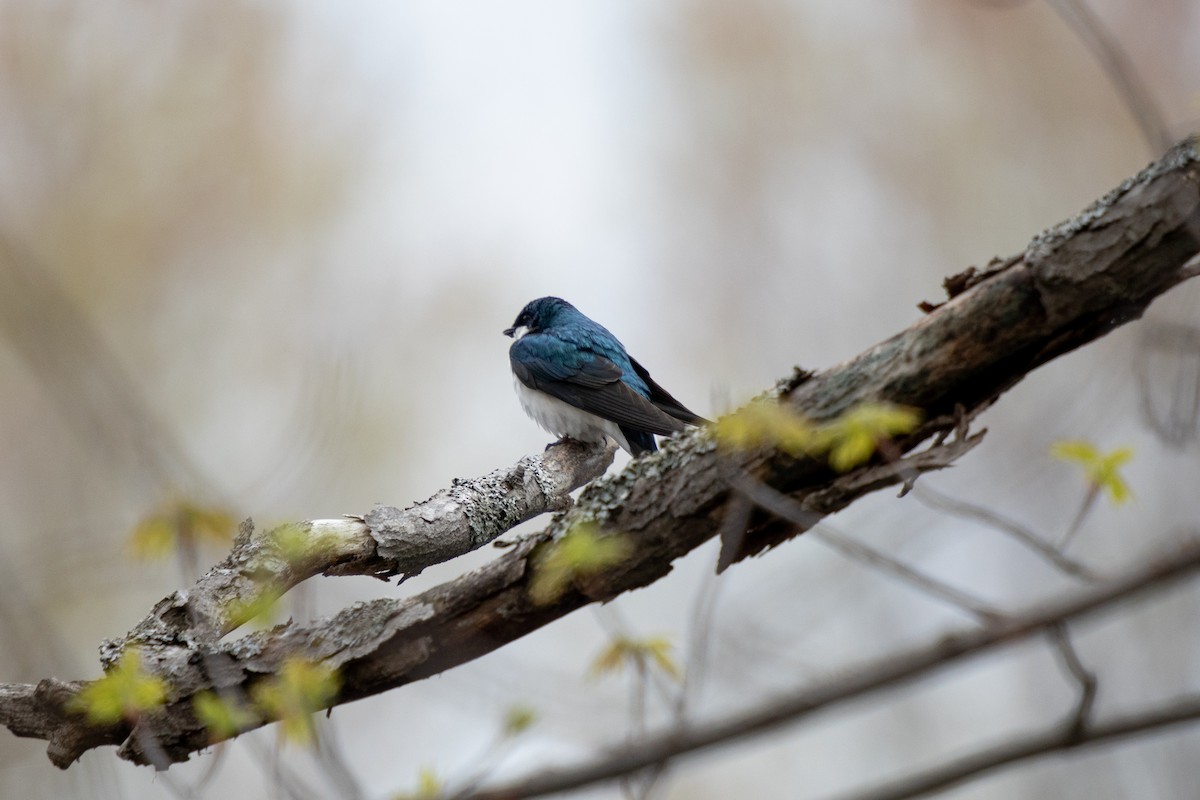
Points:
(575, 380)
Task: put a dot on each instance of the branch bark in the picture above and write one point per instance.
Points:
(1071, 285)
(386, 541)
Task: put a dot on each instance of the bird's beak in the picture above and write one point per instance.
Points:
(509, 332)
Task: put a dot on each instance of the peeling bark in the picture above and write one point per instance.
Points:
(1071, 285)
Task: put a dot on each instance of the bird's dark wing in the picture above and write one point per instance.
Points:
(587, 381)
(661, 398)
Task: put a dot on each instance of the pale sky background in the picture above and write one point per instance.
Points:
(299, 228)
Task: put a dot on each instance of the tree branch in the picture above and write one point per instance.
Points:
(785, 507)
(1073, 284)
(960, 508)
(386, 541)
(1166, 715)
(1152, 575)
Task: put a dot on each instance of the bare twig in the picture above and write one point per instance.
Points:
(1157, 718)
(784, 506)
(1084, 677)
(1176, 424)
(211, 770)
(1119, 68)
(333, 762)
(160, 761)
(965, 510)
(1089, 502)
(283, 782)
(617, 627)
(490, 756)
(704, 609)
(1150, 576)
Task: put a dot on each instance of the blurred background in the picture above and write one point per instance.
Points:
(259, 255)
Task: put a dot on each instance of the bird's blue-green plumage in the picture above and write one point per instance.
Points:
(562, 355)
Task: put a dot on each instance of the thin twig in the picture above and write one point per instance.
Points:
(704, 607)
(483, 766)
(161, 762)
(1086, 679)
(864, 554)
(1150, 576)
(965, 510)
(333, 761)
(787, 508)
(1176, 425)
(220, 750)
(944, 776)
(282, 780)
(1191, 269)
(1119, 68)
(638, 786)
(1085, 508)
(616, 626)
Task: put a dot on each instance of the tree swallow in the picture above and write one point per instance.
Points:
(575, 380)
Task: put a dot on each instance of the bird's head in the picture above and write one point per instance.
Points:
(537, 315)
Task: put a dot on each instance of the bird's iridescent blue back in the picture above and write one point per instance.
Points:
(565, 335)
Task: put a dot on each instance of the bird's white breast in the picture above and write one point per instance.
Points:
(563, 419)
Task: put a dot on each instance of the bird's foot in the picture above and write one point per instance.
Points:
(568, 440)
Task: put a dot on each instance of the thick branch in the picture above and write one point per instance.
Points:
(386, 541)
(1072, 285)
